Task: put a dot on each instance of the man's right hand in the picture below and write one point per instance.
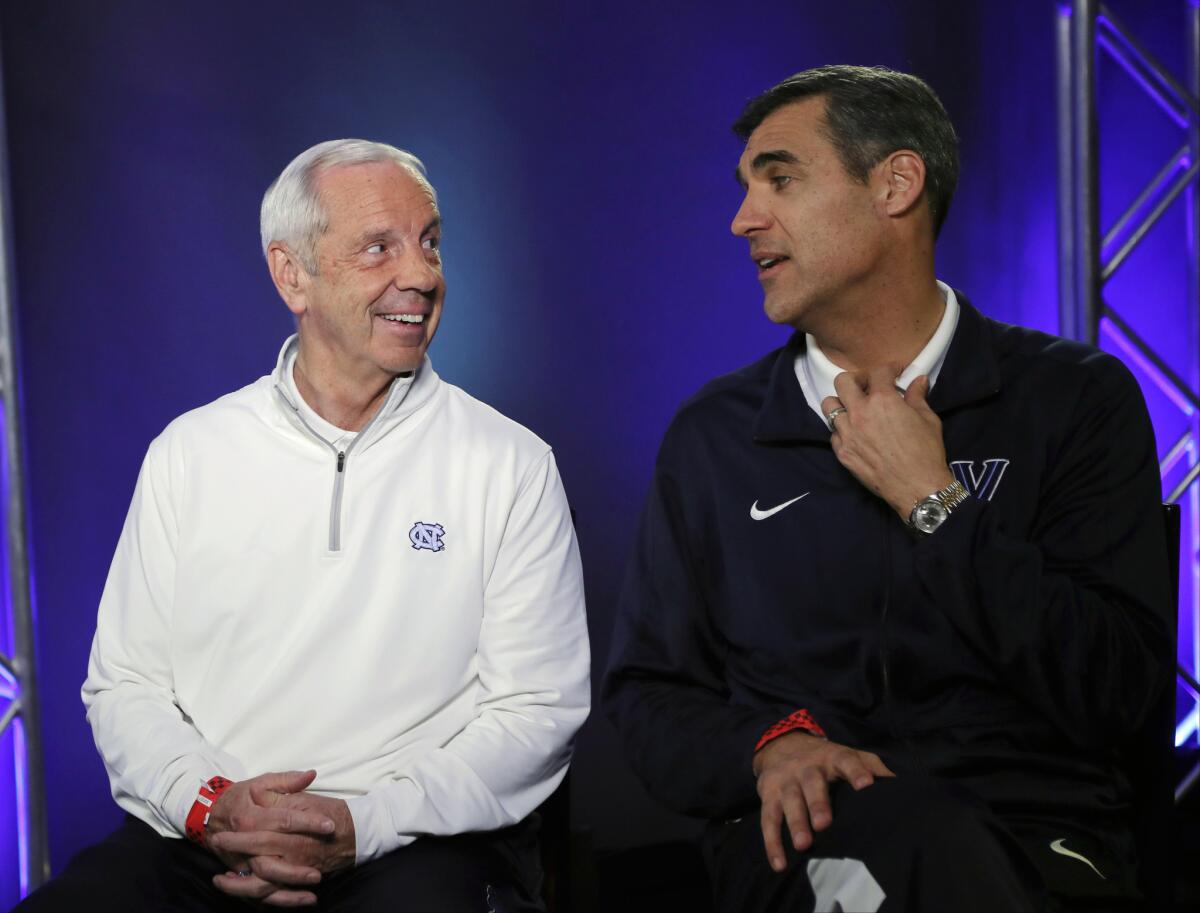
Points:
(794, 772)
(249, 805)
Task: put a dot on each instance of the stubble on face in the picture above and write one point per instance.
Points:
(813, 229)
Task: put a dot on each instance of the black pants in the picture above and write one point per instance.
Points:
(135, 870)
(913, 843)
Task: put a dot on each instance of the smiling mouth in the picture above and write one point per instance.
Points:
(404, 318)
(765, 263)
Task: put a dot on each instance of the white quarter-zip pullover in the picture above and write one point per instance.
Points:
(404, 614)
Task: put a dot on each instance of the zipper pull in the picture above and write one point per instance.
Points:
(341, 460)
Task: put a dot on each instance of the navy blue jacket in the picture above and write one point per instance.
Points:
(1013, 650)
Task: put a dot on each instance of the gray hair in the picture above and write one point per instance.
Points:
(870, 112)
(291, 208)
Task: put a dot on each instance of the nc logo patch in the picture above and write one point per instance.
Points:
(427, 536)
(982, 484)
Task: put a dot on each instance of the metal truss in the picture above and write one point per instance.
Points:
(1088, 260)
(18, 692)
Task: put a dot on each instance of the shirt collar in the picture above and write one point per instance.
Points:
(816, 372)
(970, 365)
(408, 395)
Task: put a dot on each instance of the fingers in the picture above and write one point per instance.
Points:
(875, 764)
(828, 404)
(235, 862)
(283, 820)
(804, 805)
(251, 887)
(276, 871)
(849, 389)
(854, 769)
(290, 899)
(258, 843)
(771, 820)
(816, 798)
(289, 781)
(795, 812)
(918, 392)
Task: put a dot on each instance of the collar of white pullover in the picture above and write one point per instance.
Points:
(408, 393)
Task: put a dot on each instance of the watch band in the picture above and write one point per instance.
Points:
(948, 499)
(952, 496)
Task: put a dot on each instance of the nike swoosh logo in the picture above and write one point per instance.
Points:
(756, 514)
(1057, 846)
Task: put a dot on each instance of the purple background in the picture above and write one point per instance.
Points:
(584, 162)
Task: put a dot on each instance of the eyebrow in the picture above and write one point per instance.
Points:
(387, 233)
(763, 159)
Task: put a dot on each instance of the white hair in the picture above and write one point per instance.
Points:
(291, 208)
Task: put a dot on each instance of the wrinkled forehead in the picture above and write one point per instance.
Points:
(364, 186)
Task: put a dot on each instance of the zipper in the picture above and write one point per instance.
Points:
(339, 474)
(335, 506)
(910, 746)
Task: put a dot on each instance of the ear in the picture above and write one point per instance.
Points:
(289, 275)
(902, 175)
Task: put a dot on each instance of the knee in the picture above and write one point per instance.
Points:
(936, 815)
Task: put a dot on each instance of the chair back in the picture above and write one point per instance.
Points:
(1151, 755)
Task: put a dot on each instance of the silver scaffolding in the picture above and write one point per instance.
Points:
(19, 708)
(1087, 259)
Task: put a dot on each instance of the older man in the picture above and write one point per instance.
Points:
(342, 645)
(900, 593)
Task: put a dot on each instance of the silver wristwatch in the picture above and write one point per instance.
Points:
(930, 513)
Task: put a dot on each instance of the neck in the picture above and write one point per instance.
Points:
(341, 399)
(886, 324)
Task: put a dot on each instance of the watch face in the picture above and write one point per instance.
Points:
(929, 515)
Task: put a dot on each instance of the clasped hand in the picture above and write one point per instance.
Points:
(891, 442)
(277, 839)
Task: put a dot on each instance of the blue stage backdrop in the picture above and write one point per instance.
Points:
(584, 160)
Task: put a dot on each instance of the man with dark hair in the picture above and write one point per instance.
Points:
(868, 114)
(899, 594)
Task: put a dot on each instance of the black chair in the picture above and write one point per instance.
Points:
(554, 837)
(1150, 754)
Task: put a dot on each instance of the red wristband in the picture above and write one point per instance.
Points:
(197, 819)
(800, 720)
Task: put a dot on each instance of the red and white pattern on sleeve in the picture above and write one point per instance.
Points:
(801, 720)
(197, 819)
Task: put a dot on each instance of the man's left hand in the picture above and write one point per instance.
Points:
(281, 859)
(891, 442)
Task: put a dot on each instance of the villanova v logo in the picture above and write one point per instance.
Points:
(983, 484)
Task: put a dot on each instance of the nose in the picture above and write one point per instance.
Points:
(416, 270)
(749, 217)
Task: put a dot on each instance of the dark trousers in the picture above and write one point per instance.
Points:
(135, 870)
(912, 843)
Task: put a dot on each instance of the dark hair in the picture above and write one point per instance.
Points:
(870, 112)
